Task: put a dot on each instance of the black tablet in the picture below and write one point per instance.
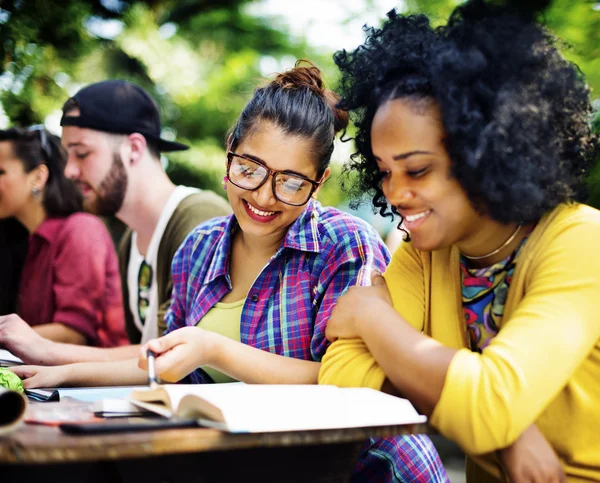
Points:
(127, 424)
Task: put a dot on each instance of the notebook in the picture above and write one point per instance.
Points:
(258, 408)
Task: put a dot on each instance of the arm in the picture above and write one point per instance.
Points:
(114, 373)
(23, 341)
(460, 389)
(348, 362)
(184, 350)
(60, 333)
(82, 283)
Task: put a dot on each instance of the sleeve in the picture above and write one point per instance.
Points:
(350, 263)
(80, 275)
(405, 281)
(175, 314)
(348, 362)
(489, 399)
(195, 210)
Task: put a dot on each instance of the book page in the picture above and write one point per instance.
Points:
(267, 408)
(289, 408)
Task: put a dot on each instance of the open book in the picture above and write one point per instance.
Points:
(257, 408)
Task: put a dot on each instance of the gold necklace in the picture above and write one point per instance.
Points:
(497, 250)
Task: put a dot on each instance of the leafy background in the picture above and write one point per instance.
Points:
(201, 59)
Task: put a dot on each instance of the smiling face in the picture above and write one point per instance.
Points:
(258, 212)
(406, 139)
(95, 164)
(15, 184)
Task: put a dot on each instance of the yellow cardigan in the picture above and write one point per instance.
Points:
(543, 367)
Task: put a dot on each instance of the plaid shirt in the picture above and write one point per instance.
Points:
(324, 253)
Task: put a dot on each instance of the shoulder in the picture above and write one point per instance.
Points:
(575, 215)
(83, 220)
(202, 203)
(84, 226)
(193, 210)
(338, 227)
(572, 226)
(208, 233)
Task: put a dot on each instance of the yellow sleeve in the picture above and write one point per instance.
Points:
(348, 362)
(489, 399)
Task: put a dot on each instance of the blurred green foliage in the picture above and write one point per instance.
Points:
(200, 59)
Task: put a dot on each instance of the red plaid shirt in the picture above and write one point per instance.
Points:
(71, 276)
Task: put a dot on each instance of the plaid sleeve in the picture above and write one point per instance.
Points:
(349, 261)
(411, 458)
(180, 272)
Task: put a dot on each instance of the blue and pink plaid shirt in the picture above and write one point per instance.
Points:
(324, 253)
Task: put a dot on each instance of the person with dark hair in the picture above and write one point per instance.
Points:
(253, 291)
(59, 266)
(112, 135)
(478, 135)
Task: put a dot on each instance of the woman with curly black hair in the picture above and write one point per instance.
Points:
(477, 134)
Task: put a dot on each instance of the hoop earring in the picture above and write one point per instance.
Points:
(225, 181)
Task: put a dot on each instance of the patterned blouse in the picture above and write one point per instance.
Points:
(484, 292)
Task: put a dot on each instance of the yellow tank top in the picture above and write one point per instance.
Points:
(224, 319)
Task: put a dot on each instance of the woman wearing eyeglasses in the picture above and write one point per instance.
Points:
(253, 291)
(59, 267)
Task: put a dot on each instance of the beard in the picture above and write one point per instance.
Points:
(111, 192)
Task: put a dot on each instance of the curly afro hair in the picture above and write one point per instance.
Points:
(516, 114)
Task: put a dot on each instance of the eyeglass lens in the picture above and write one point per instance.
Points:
(289, 188)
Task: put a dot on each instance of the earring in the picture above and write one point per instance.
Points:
(35, 191)
(225, 181)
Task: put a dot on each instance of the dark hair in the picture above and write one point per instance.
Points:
(515, 112)
(297, 102)
(71, 104)
(61, 198)
(13, 250)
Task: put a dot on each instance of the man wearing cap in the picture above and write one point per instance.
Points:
(111, 131)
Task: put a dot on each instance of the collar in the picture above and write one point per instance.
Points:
(303, 235)
(49, 228)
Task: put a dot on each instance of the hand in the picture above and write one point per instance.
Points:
(41, 376)
(356, 305)
(21, 340)
(531, 459)
(180, 352)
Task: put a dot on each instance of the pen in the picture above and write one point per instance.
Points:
(152, 378)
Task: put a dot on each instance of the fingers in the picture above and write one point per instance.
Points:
(28, 375)
(24, 372)
(170, 365)
(31, 382)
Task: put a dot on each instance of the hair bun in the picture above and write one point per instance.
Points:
(310, 76)
(301, 76)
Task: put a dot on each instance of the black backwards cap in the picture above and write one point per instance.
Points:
(120, 107)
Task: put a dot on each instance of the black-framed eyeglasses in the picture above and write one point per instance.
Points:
(41, 129)
(288, 187)
(144, 285)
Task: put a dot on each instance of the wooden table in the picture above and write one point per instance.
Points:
(43, 453)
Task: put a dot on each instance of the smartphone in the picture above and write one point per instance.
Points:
(127, 424)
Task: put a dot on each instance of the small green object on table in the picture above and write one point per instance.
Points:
(9, 380)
